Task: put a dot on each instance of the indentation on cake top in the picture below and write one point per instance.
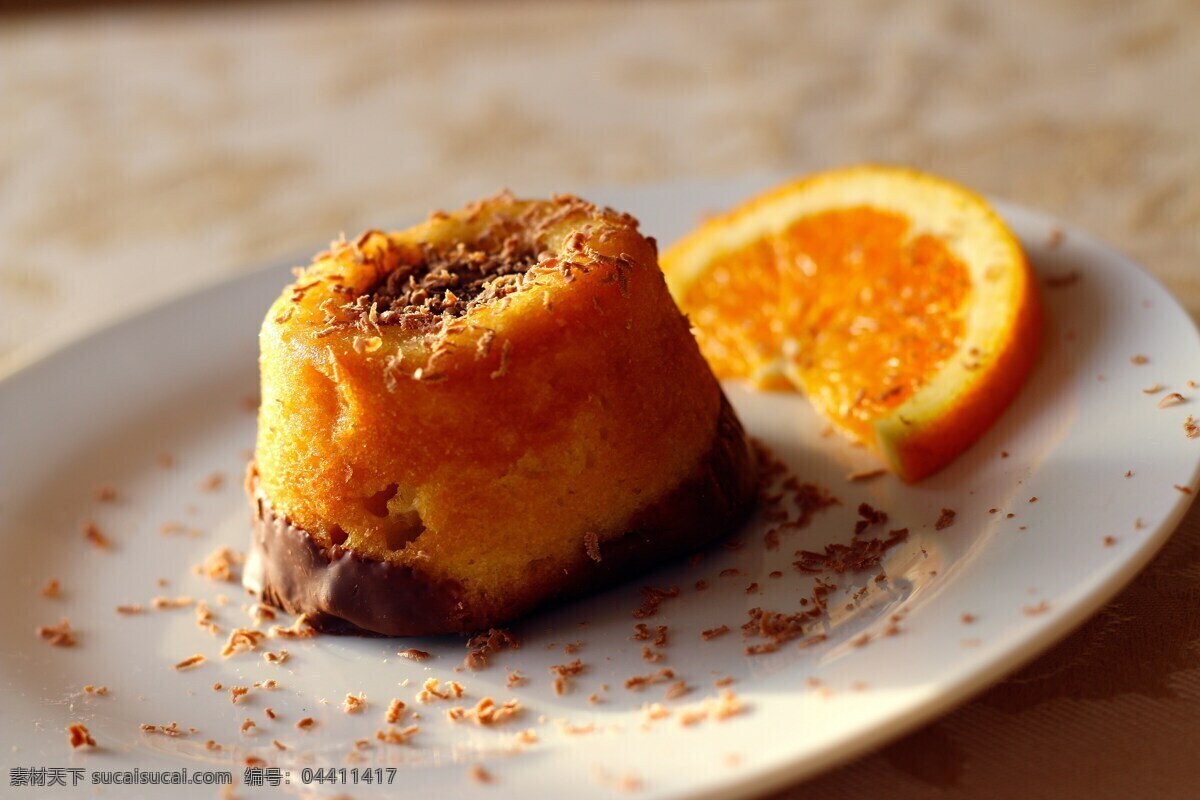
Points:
(450, 281)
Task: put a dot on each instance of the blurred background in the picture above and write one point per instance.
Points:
(147, 149)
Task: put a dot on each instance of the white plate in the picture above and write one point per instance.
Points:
(174, 381)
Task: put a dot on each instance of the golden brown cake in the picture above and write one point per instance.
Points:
(492, 409)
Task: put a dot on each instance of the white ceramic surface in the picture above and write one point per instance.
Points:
(175, 380)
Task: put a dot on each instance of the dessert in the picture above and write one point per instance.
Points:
(495, 408)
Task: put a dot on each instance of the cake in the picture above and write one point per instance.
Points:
(495, 409)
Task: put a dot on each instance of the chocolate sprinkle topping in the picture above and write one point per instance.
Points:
(450, 282)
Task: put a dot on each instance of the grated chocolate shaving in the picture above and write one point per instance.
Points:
(859, 555)
(171, 729)
(432, 690)
(1172, 399)
(242, 640)
(92, 532)
(484, 645)
(59, 635)
(563, 674)
(946, 519)
(220, 565)
(397, 735)
(591, 546)
(413, 654)
(652, 598)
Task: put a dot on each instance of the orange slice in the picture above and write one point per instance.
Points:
(898, 302)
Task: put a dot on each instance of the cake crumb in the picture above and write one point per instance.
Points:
(306, 724)
(236, 693)
(52, 589)
(1190, 428)
(1033, 611)
(946, 519)
(394, 710)
(713, 633)
(248, 725)
(353, 704)
(967, 619)
(79, 736)
(1139, 360)
(276, 658)
(101, 691)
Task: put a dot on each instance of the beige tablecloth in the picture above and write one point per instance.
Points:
(147, 150)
